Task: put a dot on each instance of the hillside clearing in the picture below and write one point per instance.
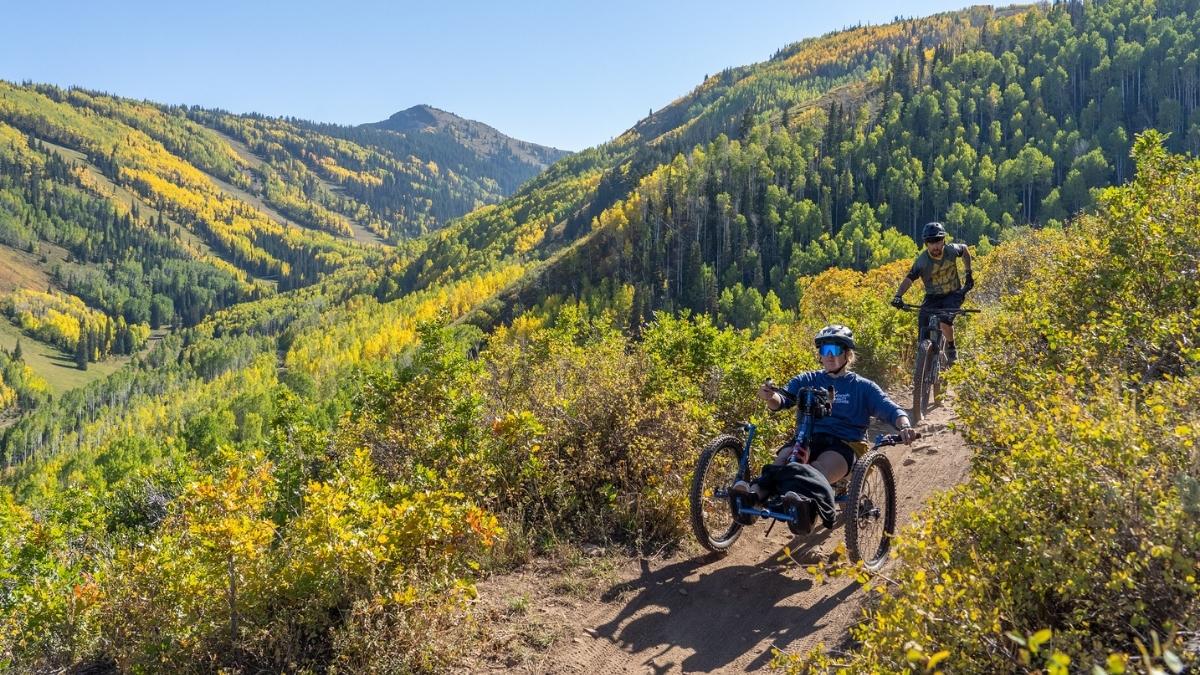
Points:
(54, 366)
(20, 269)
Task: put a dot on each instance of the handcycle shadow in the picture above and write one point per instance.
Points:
(721, 615)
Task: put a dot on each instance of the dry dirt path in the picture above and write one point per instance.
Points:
(692, 612)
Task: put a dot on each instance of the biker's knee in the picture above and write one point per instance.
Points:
(831, 465)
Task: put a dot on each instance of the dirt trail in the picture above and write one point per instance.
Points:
(701, 613)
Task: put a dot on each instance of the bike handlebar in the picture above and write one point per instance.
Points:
(892, 439)
(916, 308)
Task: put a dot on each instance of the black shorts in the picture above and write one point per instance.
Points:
(823, 443)
(774, 478)
(932, 304)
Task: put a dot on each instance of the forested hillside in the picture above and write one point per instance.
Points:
(397, 178)
(778, 170)
(120, 219)
(312, 470)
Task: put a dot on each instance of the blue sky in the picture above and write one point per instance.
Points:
(567, 74)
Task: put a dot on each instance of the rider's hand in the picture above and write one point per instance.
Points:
(898, 302)
(970, 283)
(908, 435)
(767, 393)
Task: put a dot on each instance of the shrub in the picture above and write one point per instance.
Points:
(1077, 525)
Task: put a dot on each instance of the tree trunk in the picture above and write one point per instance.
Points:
(233, 615)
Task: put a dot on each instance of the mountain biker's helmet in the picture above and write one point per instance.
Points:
(835, 334)
(933, 232)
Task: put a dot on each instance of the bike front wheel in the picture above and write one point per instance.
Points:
(922, 387)
(714, 518)
(936, 385)
(871, 510)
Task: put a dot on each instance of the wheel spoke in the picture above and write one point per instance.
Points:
(868, 521)
(714, 522)
(872, 520)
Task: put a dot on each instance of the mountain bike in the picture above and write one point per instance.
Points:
(866, 499)
(930, 361)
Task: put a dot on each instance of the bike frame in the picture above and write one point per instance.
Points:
(804, 423)
(744, 462)
(937, 341)
(880, 441)
(934, 327)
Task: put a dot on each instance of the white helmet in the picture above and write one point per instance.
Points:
(836, 334)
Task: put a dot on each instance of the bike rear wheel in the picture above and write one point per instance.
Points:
(921, 384)
(714, 519)
(871, 510)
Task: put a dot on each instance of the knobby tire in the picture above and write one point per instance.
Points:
(921, 384)
(871, 510)
(713, 519)
(935, 379)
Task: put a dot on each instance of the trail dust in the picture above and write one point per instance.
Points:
(693, 611)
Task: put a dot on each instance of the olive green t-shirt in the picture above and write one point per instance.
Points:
(940, 276)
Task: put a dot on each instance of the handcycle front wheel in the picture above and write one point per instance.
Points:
(714, 520)
(871, 510)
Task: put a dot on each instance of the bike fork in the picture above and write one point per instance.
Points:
(744, 461)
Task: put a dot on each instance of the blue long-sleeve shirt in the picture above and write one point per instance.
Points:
(856, 399)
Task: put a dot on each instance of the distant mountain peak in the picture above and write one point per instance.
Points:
(424, 119)
(421, 117)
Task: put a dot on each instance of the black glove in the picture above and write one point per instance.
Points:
(970, 283)
(898, 302)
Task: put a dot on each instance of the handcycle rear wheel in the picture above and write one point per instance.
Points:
(921, 380)
(871, 510)
(714, 520)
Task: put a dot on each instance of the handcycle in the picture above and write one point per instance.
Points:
(931, 360)
(867, 498)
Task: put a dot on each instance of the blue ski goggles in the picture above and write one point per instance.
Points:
(831, 350)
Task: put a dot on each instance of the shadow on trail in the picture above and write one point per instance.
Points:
(721, 615)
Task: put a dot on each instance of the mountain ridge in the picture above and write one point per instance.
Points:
(480, 136)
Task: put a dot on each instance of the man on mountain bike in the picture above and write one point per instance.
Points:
(856, 399)
(937, 267)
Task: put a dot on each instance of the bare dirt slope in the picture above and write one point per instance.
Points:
(693, 612)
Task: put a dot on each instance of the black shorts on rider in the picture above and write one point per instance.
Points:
(936, 303)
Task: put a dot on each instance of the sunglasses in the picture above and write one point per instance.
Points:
(831, 350)
(934, 241)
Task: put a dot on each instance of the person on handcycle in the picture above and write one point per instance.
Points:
(937, 267)
(830, 453)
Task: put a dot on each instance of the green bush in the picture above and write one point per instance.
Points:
(1078, 523)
